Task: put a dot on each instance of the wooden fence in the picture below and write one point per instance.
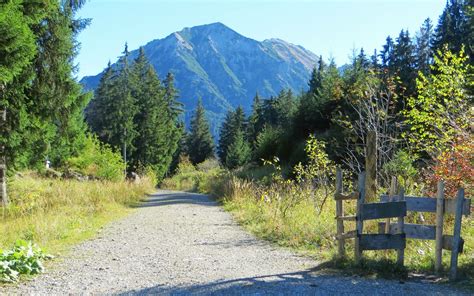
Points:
(394, 235)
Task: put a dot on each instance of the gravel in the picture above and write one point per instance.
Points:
(181, 243)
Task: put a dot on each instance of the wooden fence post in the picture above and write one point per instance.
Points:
(439, 226)
(400, 222)
(339, 213)
(456, 234)
(391, 194)
(359, 221)
(371, 167)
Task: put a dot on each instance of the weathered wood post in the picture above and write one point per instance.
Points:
(456, 234)
(3, 165)
(371, 167)
(339, 213)
(391, 195)
(401, 230)
(439, 226)
(359, 221)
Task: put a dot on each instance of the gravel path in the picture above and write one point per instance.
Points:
(180, 243)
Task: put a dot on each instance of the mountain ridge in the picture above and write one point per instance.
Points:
(224, 68)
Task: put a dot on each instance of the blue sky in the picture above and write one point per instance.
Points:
(330, 28)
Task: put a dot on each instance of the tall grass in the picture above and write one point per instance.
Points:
(292, 215)
(56, 213)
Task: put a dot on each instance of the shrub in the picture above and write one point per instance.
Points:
(267, 143)
(455, 167)
(24, 258)
(401, 166)
(98, 160)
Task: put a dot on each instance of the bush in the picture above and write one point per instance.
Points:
(98, 160)
(267, 143)
(24, 258)
(455, 167)
(401, 166)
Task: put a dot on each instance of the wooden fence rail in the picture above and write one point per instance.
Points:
(393, 235)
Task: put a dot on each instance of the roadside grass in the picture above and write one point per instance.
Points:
(291, 216)
(56, 214)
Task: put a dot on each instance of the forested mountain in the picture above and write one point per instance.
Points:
(224, 68)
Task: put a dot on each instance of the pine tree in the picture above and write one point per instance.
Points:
(200, 144)
(424, 42)
(386, 54)
(48, 102)
(316, 76)
(405, 64)
(117, 107)
(151, 119)
(17, 49)
(256, 123)
(96, 111)
(234, 122)
(452, 24)
(239, 151)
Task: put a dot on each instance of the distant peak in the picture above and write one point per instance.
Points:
(212, 25)
(217, 27)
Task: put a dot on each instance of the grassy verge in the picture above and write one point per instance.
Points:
(58, 213)
(294, 216)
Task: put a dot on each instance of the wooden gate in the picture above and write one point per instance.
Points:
(369, 211)
(394, 235)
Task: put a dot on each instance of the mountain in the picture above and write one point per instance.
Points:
(224, 68)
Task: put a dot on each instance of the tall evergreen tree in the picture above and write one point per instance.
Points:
(452, 25)
(234, 122)
(200, 144)
(256, 122)
(405, 64)
(151, 119)
(239, 151)
(48, 102)
(424, 43)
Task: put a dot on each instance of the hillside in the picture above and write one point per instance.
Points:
(225, 68)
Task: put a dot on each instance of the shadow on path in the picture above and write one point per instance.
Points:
(306, 282)
(165, 199)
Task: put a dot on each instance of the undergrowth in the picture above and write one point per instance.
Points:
(292, 214)
(25, 258)
(56, 213)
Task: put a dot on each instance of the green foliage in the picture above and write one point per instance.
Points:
(205, 177)
(200, 144)
(132, 110)
(238, 152)
(98, 160)
(25, 258)
(233, 123)
(16, 39)
(441, 112)
(42, 121)
(402, 167)
(267, 143)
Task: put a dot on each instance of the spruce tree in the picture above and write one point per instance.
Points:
(239, 151)
(256, 121)
(452, 24)
(405, 65)
(200, 144)
(17, 51)
(234, 122)
(118, 107)
(151, 119)
(46, 114)
(424, 43)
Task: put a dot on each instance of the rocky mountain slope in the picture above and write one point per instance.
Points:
(225, 68)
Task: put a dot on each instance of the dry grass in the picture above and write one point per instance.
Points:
(57, 213)
(289, 215)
